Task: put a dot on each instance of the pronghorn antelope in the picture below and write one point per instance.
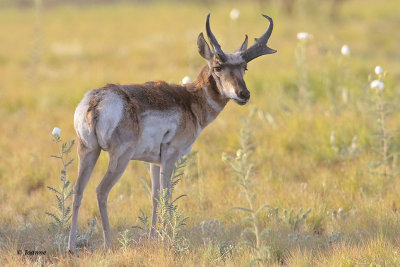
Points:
(156, 122)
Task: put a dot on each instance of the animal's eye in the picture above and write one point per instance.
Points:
(217, 69)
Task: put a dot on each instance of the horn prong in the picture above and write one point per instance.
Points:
(214, 43)
(260, 47)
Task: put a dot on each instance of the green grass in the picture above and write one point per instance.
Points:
(295, 167)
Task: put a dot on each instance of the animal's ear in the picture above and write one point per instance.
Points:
(204, 49)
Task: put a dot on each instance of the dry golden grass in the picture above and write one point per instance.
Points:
(86, 47)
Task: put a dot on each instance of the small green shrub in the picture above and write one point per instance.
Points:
(62, 213)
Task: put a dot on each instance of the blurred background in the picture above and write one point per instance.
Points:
(312, 113)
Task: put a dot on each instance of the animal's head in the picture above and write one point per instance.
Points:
(228, 69)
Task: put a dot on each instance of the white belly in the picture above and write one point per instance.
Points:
(158, 127)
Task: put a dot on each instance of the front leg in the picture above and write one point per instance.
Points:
(167, 167)
(160, 179)
(155, 189)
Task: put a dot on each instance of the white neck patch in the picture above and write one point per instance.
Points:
(213, 104)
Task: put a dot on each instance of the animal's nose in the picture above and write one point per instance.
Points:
(244, 94)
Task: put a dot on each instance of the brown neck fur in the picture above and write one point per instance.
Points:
(206, 87)
(205, 81)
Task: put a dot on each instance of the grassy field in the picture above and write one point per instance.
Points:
(313, 120)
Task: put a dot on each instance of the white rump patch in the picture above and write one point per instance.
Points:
(80, 123)
(110, 113)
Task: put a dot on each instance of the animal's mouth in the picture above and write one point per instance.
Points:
(241, 101)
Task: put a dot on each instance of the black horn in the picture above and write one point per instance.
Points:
(214, 43)
(260, 47)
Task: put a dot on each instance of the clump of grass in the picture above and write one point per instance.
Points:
(84, 239)
(243, 171)
(125, 240)
(292, 219)
(145, 224)
(213, 235)
(345, 151)
(256, 235)
(170, 220)
(210, 230)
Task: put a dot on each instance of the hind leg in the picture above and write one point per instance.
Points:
(87, 160)
(117, 165)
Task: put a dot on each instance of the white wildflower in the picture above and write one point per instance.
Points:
(186, 80)
(345, 50)
(234, 15)
(56, 131)
(341, 211)
(378, 70)
(302, 36)
(378, 85)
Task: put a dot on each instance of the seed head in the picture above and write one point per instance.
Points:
(303, 36)
(186, 80)
(378, 70)
(56, 131)
(378, 85)
(345, 50)
(234, 15)
(341, 211)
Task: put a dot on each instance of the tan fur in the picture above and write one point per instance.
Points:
(159, 95)
(154, 122)
(190, 101)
